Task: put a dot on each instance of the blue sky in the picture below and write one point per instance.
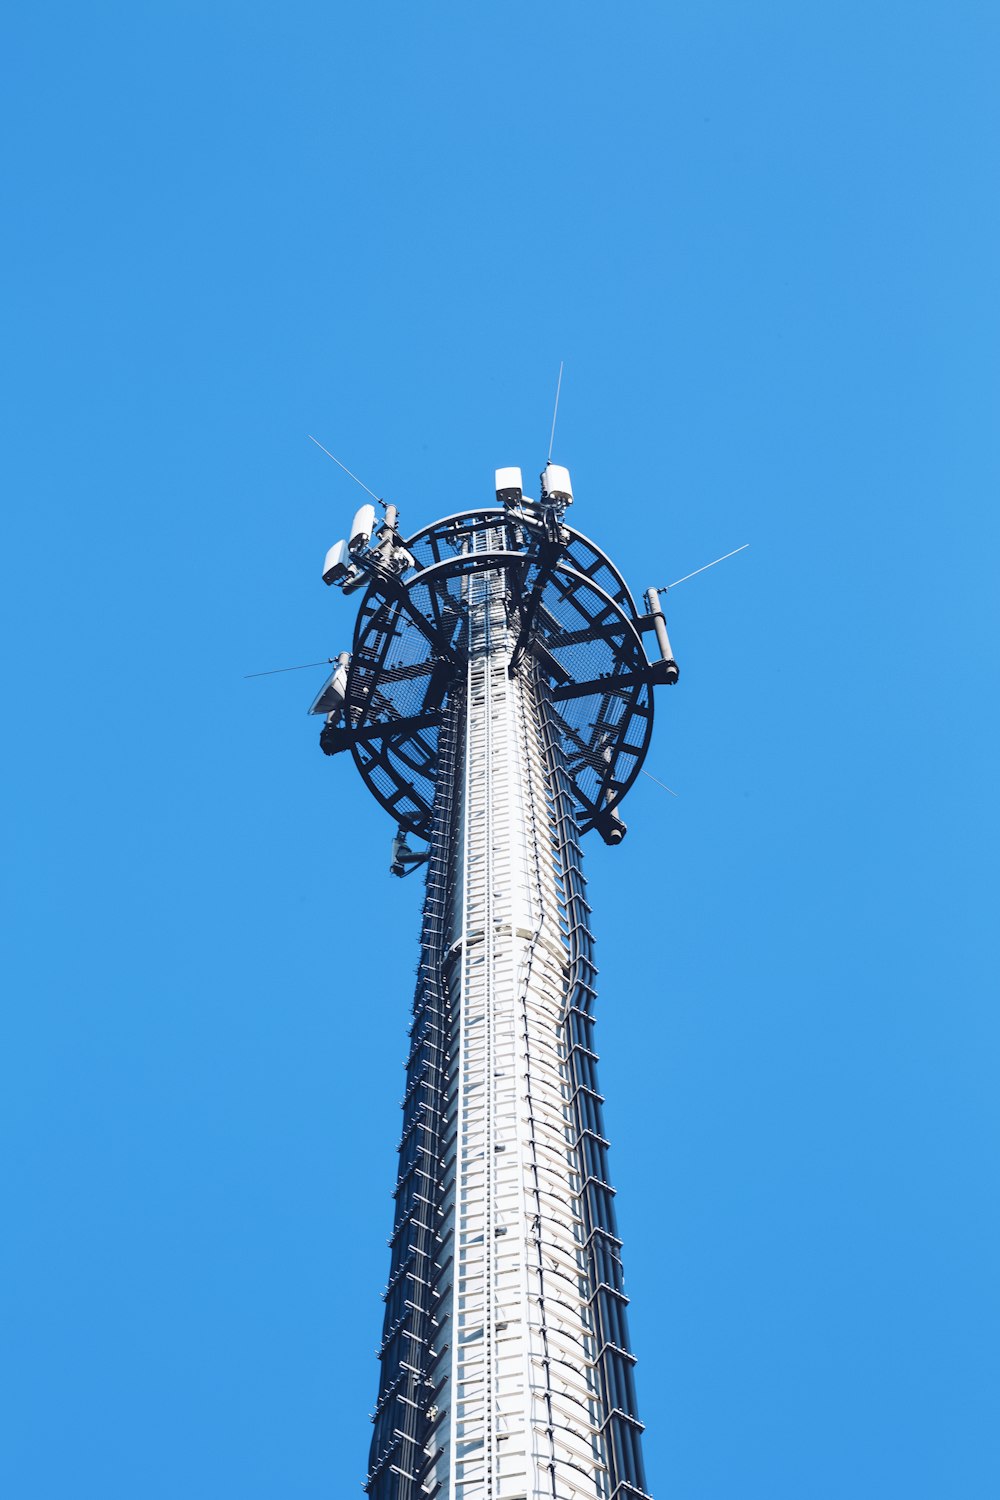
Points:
(764, 240)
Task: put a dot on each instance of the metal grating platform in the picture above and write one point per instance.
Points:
(578, 636)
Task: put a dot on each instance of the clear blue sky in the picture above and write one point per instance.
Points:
(764, 238)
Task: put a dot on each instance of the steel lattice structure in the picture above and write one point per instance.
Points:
(498, 702)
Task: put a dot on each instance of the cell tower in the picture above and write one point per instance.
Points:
(498, 701)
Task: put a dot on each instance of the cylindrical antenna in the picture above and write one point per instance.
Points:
(300, 668)
(346, 470)
(659, 782)
(555, 413)
(665, 586)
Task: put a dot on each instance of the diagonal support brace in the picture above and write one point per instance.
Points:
(336, 737)
(549, 552)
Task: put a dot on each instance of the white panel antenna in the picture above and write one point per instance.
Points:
(362, 527)
(337, 564)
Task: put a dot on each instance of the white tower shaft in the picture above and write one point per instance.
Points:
(506, 1372)
(521, 1390)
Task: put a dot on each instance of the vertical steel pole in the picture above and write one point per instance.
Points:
(662, 638)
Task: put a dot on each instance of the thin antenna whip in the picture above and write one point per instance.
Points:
(665, 586)
(659, 782)
(326, 662)
(555, 413)
(346, 471)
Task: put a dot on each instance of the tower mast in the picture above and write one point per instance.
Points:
(498, 702)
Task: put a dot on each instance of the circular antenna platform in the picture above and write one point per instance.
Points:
(573, 621)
